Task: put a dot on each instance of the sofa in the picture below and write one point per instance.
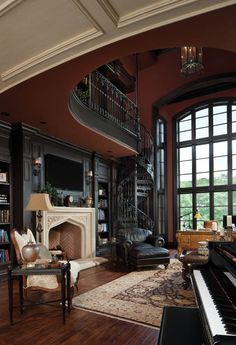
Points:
(138, 247)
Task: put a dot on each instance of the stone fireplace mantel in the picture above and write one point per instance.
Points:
(82, 217)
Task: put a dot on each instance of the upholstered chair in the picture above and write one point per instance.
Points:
(42, 282)
(140, 248)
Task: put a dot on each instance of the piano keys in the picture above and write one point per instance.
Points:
(215, 288)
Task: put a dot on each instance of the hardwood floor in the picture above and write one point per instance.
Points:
(42, 325)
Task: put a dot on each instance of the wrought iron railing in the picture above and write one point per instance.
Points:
(146, 154)
(134, 217)
(128, 214)
(98, 94)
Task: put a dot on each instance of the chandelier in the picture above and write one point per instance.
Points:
(191, 60)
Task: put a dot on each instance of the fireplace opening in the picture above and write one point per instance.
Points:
(68, 237)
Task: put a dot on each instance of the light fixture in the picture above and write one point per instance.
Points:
(90, 173)
(191, 60)
(89, 176)
(37, 162)
(39, 202)
(196, 213)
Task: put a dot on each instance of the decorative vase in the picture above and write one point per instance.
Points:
(30, 252)
(88, 201)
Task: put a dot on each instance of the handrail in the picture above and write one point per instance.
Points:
(128, 214)
(146, 154)
(98, 94)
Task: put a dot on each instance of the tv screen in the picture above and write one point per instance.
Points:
(64, 173)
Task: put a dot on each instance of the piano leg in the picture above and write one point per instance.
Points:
(186, 275)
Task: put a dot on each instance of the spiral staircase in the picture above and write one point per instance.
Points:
(135, 180)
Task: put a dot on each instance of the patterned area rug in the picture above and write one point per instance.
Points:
(139, 296)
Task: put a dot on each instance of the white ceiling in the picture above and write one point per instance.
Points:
(39, 34)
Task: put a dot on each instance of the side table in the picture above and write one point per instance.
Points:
(188, 259)
(61, 270)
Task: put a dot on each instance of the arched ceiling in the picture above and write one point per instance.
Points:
(48, 46)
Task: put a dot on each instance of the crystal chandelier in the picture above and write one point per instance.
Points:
(191, 60)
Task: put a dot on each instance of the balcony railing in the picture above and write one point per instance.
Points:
(100, 95)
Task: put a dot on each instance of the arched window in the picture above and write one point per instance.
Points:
(206, 163)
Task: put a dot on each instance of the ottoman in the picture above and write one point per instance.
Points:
(188, 259)
(141, 256)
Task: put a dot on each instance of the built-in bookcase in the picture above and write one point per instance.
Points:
(103, 213)
(5, 216)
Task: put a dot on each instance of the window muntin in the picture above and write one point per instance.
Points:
(234, 202)
(185, 129)
(160, 176)
(211, 183)
(233, 118)
(203, 199)
(220, 163)
(220, 206)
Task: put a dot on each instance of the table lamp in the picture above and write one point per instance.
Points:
(39, 202)
(197, 215)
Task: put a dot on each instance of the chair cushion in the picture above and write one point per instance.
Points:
(154, 252)
(142, 245)
(133, 234)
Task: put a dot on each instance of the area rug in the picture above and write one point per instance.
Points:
(139, 296)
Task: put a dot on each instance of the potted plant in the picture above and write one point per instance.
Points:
(53, 193)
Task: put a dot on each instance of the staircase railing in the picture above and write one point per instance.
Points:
(98, 94)
(133, 216)
(146, 154)
(128, 214)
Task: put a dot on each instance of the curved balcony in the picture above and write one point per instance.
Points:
(98, 104)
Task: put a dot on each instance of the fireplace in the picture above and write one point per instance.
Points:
(80, 221)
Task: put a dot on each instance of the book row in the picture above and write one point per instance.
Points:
(103, 227)
(4, 255)
(3, 198)
(4, 216)
(4, 236)
(101, 214)
(103, 203)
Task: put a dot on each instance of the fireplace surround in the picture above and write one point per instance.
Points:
(81, 218)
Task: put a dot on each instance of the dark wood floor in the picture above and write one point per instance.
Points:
(42, 325)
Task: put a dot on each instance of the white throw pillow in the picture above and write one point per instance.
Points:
(21, 241)
(29, 236)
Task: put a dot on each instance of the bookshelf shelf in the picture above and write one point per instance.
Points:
(5, 223)
(103, 213)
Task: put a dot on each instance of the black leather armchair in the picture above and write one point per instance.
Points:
(139, 248)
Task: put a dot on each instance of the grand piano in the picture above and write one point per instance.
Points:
(214, 285)
(213, 322)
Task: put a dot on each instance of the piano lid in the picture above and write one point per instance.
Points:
(223, 255)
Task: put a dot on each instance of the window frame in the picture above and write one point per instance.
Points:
(230, 187)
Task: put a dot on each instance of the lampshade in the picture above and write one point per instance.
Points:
(39, 201)
(197, 215)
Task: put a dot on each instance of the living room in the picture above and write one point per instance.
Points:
(42, 139)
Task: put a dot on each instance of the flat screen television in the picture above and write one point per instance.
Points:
(64, 173)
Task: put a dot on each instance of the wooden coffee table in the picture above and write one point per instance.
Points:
(189, 259)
